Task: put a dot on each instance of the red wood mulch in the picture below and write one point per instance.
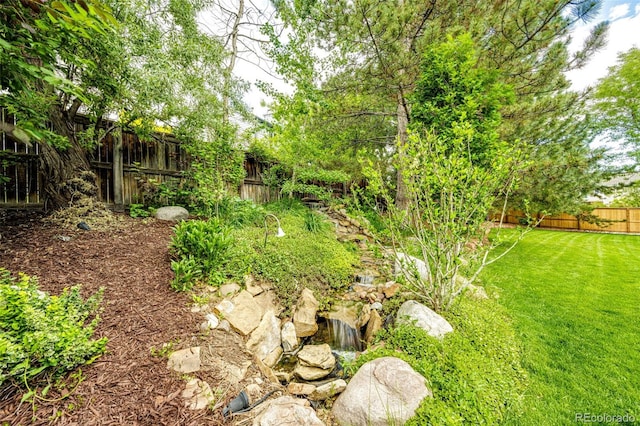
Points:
(126, 386)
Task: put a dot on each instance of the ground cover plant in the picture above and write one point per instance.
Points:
(574, 301)
(307, 256)
(474, 372)
(44, 335)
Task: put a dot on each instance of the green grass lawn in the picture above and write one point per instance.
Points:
(575, 302)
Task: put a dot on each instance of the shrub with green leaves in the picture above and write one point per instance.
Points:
(43, 334)
(475, 372)
(201, 249)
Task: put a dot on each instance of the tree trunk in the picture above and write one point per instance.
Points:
(403, 124)
(59, 166)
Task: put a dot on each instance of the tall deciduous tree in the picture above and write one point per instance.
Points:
(149, 64)
(617, 101)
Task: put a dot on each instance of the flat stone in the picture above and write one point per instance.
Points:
(310, 373)
(319, 356)
(300, 388)
(243, 313)
(266, 337)
(374, 325)
(390, 289)
(197, 395)
(172, 213)
(266, 370)
(289, 338)
(252, 286)
(231, 373)
(225, 307)
(412, 312)
(328, 390)
(287, 410)
(185, 360)
(229, 289)
(304, 318)
(273, 358)
(267, 300)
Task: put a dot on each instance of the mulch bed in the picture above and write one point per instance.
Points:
(128, 385)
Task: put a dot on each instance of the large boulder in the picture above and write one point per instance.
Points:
(382, 392)
(304, 318)
(412, 312)
(266, 337)
(172, 213)
(406, 265)
(287, 410)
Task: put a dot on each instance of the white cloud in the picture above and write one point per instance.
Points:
(618, 11)
(623, 35)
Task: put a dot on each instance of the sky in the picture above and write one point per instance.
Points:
(624, 33)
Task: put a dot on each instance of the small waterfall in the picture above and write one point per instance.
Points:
(343, 337)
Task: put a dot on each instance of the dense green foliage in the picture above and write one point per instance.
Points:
(201, 249)
(574, 302)
(358, 100)
(44, 335)
(475, 373)
(307, 256)
(455, 169)
(148, 65)
(304, 257)
(457, 99)
(618, 101)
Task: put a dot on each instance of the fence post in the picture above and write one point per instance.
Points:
(118, 171)
(628, 221)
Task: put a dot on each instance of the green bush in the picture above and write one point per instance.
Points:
(138, 210)
(201, 249)
(43, 334)
(475, 372)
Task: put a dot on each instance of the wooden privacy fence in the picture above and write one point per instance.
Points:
(20, 180)
(119, 161)
(608, 219)
(253, 188)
